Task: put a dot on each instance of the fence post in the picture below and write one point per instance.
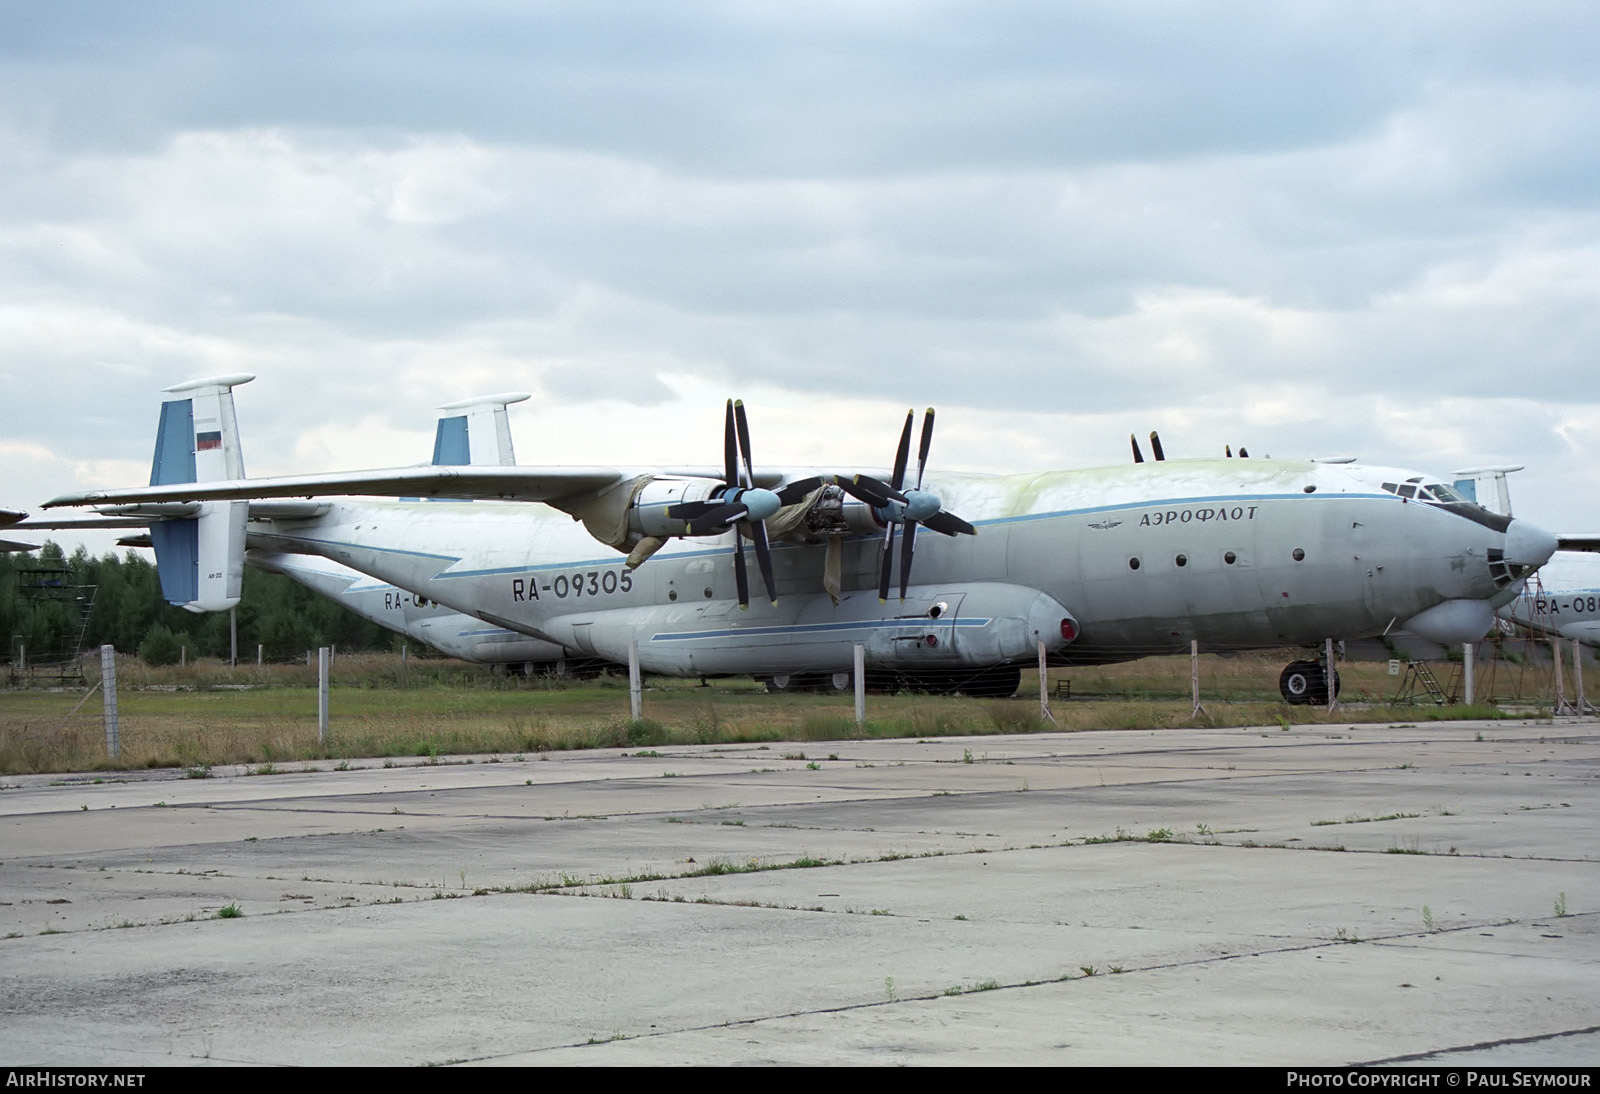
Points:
(1330, 677)
(1577, 677)
(860, 675)
(635, 689)
(1194, 677)
(322, 695)
(108, 694)
(1044, 687)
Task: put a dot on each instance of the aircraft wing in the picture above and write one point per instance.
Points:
(470, 483)
(70, 524)
(1587, 542)
(10, 518)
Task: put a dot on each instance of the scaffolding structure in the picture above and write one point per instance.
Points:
(1542, 675)
(43, 588)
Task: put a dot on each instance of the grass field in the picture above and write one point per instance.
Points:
(207, 714)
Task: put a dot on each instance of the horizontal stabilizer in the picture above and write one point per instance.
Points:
(99, 520)
(475, 431)
(1586, 542)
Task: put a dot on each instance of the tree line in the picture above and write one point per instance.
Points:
(42, 596)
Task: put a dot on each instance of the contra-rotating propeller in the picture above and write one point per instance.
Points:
(740, 501)
(911, 507)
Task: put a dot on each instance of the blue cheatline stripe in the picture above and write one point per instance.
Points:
(370, 547)
(818, 628)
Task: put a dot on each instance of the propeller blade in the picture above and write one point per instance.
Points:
(764, 559)
(730, 450)
(888, 561)
(689, 510)
(924, 444)
(796, 491)
(950, 524)
(906, 548)
(741, 579)
(1155, 447)
(1138, 457)
(716, 521)
(901, 454)
(870, 490)
(744, 443)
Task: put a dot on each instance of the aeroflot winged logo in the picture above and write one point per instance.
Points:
(1105, 524)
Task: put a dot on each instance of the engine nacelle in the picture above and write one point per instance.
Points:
(635, 512)
(647, 512)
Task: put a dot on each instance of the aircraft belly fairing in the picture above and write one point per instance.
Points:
(937, 627)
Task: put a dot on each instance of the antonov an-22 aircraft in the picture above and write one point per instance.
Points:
(1099, 565)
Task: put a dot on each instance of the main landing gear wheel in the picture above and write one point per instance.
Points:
(781, 685)
(1304, 682)
(833, 683)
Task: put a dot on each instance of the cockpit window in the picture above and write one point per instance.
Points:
(1433, 491)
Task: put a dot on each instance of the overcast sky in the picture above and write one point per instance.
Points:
(1312, 229)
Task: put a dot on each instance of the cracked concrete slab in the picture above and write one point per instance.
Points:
(1323, 895)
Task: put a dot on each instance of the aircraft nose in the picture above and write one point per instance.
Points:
(1528, 544)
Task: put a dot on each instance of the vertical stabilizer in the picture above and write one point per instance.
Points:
(1487, 487)
(200, 559)
(476, 431)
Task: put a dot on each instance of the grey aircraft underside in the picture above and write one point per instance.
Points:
(1099, 565)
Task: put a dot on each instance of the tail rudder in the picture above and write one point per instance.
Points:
(200, 559)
